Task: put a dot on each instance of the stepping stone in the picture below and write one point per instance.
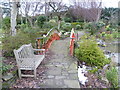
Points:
(72, 83)
(73, 76)
(7, 77)
(50, 76)
(72, 71)
(73, 66)
(59, 65)
(59, 83)
(60, 77)
(55, 71)
(65, 74)
(48, 82)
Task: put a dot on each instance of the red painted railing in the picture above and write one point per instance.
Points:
(46, 41)
(52, 38)
(72, 41)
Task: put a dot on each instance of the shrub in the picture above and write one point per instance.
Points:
(22, 26)
(47, 25)
(29, 30)
(108, 36)
(112, 76)
(93, 70)
(90, 53)
(80, 20)
(6, 67)
(62, 23)
(21, 20)
(67, 26)
(74, 24)
(6, 25)
(87, 25)
(90, 27)
(93, 27)
(40, 21)
(14, 42)
(66, 19)
(24, 36)
(78, 27)
(102, 34)
(100, 24)
(53, 23)
(55, 18)
(18, 20)
(116, 35)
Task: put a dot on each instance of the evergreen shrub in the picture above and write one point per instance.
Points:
(90, 53)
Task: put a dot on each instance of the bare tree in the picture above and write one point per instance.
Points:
(89, 10)
(57, 8)
(31, 9)
(28, 9)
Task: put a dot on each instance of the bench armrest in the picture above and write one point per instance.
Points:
(39, 49)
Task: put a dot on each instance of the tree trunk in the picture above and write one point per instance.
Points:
(98, 15)
(30, 21)
(13, 18)
(59, 21)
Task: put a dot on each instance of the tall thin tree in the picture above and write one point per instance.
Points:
(14, 11)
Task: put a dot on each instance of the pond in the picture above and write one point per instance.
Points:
(113, 47)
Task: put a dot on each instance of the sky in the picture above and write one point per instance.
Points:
(106, 3)
(111, 3)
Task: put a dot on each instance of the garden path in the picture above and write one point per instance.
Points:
(57, 70)
(61, 68)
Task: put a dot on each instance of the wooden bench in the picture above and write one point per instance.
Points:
(27, 60)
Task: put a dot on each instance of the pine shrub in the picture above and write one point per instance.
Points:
(90, 53)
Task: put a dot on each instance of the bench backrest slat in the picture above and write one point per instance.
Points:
(25, 52)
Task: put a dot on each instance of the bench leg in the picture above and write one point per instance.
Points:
(35, 73)
(19, 72)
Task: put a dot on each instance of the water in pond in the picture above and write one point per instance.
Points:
(113, 47)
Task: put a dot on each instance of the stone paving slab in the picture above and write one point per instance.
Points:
(62, 68)
(72, 83)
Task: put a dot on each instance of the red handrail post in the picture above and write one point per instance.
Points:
(72, 40)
